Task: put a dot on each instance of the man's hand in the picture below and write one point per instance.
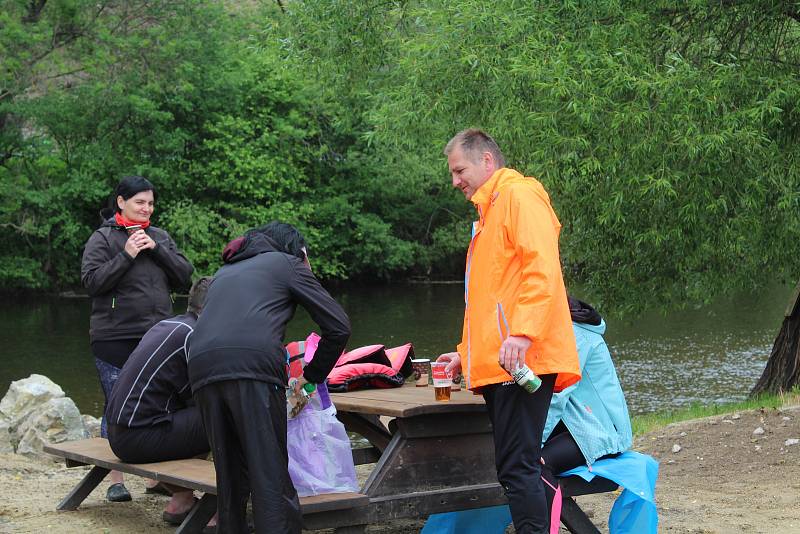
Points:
(454, 362)
(512, 353)
(298, 385)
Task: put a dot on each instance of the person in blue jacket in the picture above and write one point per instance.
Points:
(588, 420)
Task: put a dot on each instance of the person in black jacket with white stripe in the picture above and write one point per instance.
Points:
(151, 415)
(237, 370)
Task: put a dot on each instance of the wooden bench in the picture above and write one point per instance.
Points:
(199, 475)
(192, 474)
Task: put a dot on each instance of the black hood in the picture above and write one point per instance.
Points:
(582, 312)
(107, 217)
(249, 245)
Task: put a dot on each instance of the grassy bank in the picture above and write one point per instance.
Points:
(646, 423)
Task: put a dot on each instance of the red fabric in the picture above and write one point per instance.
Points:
(355, 376)
(370, 353)
(401, 358)
(122, 221)
(232, 248)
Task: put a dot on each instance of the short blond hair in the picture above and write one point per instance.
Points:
(474, 141)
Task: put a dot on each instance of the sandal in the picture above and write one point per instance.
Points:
(177, 519)
(158, 489)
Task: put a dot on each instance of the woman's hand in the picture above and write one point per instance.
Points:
(137, 242)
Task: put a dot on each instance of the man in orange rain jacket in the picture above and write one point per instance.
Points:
(516, 314)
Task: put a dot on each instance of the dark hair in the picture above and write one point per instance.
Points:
(130, 186)
(197, 295)
(285, 237)
(474, 143)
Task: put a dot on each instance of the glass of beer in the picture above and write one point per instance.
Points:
(442, 380)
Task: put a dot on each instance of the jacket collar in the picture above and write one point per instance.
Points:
(488, 192)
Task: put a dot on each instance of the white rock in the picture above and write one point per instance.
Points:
(24, 397)
(5, 438)
(91, 425)
(683, 434)
(758, 448)
(758, 431)
(736, 416)
(676, 448)
(786, 418)
(56, 421)
(791, 441)
(728, 421)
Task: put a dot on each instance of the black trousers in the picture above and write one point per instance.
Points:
(518, 419)
(182, 437)
(246, 425)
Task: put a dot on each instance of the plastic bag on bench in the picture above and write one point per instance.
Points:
(320, 459)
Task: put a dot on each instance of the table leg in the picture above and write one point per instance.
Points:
(575, 519)
(368, 426)
(83, 488)
(199, 516)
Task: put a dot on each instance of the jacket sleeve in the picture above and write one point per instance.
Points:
(328, 314)
(532, 231)
(101, 269)
(178, 269)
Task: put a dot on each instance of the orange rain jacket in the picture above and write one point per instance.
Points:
(514, 285)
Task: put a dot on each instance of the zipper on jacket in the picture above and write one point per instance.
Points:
(501, 314)
(466, 298)
(113, 302)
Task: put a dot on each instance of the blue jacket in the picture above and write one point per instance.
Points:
(593, 410)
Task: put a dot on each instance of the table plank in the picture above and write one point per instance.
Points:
(406, 401)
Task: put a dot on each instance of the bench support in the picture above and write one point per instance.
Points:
(83, 489)
(200, 514)
(353, 529)
(575, 519)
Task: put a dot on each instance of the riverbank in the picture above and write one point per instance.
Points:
(734, 472)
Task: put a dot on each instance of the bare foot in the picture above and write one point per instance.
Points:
(181, 501)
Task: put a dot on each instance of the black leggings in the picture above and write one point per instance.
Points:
(559, 453)
(518, 418)
(181, 437)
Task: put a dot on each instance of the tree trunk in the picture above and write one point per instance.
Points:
(782, 372)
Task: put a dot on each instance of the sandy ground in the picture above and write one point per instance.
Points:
(724, 479)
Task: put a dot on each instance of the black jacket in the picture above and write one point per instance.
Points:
(240, 334)
(153, 383)
(129, 295)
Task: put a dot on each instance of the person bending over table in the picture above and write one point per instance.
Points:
(237, 370)
(588, 420)
(151, 416)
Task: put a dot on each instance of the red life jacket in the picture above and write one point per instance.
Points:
(372, 366)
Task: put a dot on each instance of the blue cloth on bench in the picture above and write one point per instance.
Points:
(492, 520)
(634, 511)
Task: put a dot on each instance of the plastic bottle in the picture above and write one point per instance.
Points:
(526, 379)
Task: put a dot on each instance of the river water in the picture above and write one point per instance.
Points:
(667, 360)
